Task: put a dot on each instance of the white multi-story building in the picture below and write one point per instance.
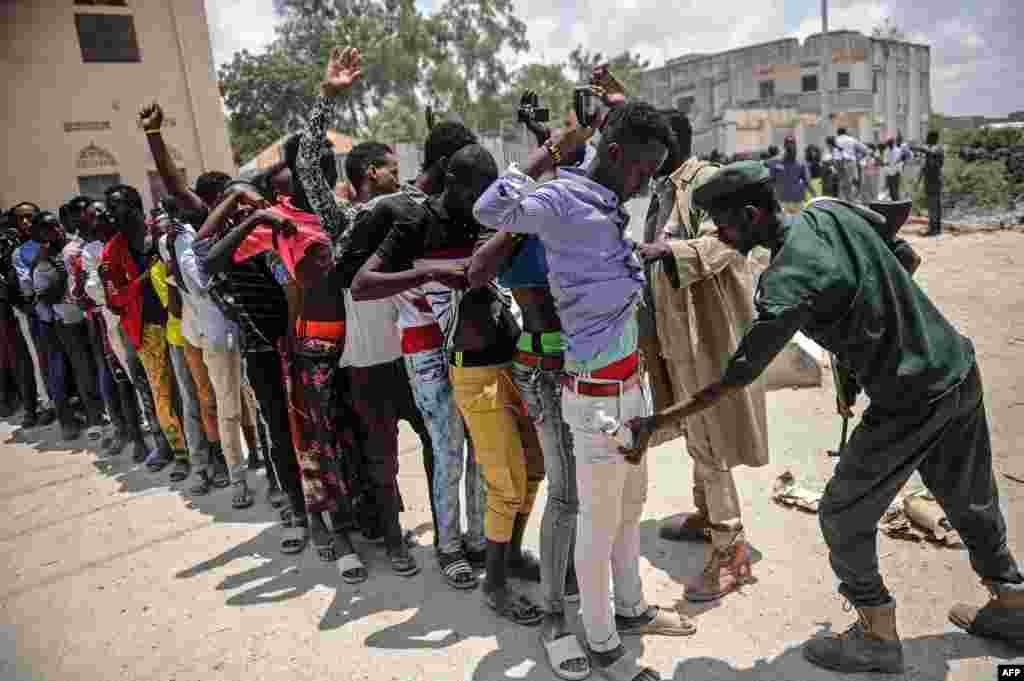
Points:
(747, 99)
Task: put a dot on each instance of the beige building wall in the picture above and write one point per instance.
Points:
(65, 119)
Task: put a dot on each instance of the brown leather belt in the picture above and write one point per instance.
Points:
(588, 388)
(546, 362)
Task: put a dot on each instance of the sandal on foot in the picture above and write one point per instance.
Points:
(514, 607)
(202, 484)
(456, 570)
(242, 497)
(352, 569)
(656, 621)
(180, 471)
(221, 477)
(326, 552)
(402, 562)
(294, 538)
(625, 668)
(526, 567)
(276, 498)
(567, 658)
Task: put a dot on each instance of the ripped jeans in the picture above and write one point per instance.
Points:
(541, 389)
(432, 389)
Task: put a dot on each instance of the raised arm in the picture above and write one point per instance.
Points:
(152, 119)
(343, 69)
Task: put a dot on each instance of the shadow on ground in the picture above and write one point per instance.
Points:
(927, 658)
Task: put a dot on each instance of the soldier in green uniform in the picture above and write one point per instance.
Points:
(834, 278)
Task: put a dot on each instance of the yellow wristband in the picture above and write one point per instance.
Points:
(153, 131)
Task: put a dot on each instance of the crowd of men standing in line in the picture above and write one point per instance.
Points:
(250, 296)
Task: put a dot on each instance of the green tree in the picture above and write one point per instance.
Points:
(452, 60)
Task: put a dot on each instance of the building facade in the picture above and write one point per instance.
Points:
(744, 100)
(78, 71)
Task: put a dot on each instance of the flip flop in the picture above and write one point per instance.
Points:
(352, 569)
(180, 471)
(665, 622)
(457, 571)
(202, 485)
(242, 497)
(563, 650)
(625, 669)
(294, 539)
(514, 607)
(402, 562)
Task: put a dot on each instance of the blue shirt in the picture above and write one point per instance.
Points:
(791, 180)
(596, 278)
(24, 256)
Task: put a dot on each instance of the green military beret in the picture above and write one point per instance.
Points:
(731, 179)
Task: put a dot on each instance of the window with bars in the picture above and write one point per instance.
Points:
(766, 89)
(107, 38)
(843, 80)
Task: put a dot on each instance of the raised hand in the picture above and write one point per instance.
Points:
(151, 117)
(343, 70)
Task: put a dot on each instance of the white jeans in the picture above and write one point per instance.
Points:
(612, 493)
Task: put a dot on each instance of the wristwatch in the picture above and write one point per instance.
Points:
(553, 150)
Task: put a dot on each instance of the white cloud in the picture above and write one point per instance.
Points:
(239, 25)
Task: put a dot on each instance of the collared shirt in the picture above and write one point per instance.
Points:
(834, 278)
(851, 148)
(596, 277)
(203, 323)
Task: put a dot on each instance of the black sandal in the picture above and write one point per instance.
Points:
(243, 497)
(514, 607)
(456, 570)
(202, 486)
(402, 562)
(180, 471)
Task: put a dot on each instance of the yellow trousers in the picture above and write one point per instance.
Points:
(157, 363)
(506, 445)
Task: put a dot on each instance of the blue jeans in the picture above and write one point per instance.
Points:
(191, 416)
(541, 389)
(432, 389)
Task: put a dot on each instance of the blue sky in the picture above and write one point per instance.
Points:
(976, 50)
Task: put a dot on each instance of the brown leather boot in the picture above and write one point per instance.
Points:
(727, 569)
(1002, 617)
(871, 644)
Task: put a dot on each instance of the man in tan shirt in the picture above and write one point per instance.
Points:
(703, 303)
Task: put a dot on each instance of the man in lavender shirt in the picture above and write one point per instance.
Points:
(596, 279)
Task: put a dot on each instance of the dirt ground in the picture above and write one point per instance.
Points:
(106, 572)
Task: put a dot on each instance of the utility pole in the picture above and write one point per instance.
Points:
(823, 86)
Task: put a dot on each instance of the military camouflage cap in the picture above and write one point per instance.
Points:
(731, 179)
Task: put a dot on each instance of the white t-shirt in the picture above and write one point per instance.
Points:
(371, 332)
